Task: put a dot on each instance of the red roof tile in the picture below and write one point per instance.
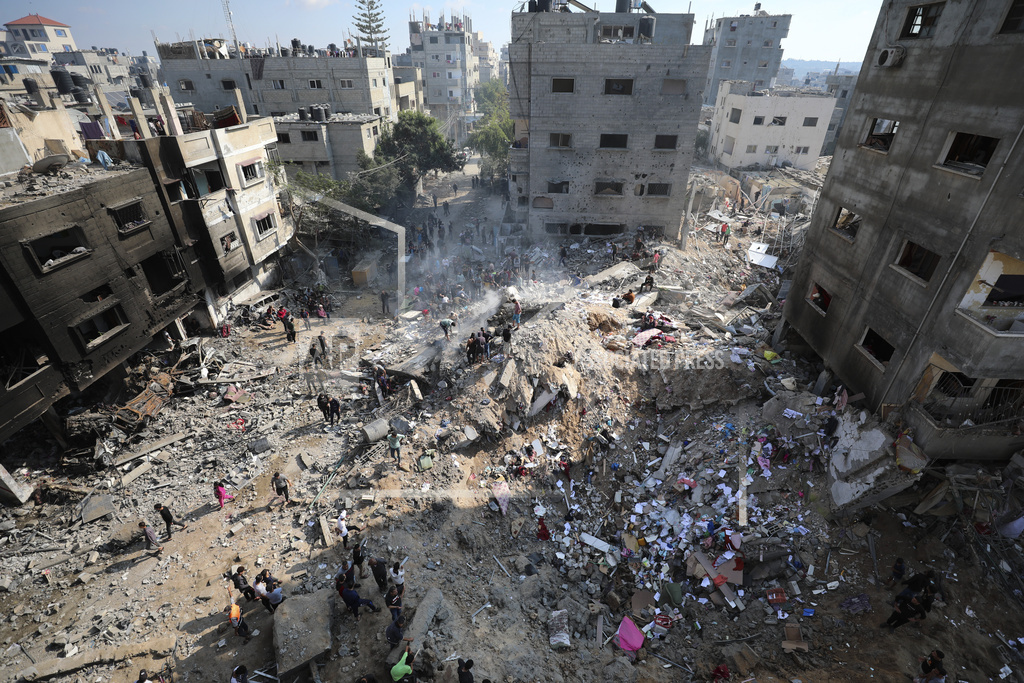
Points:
(36, 20)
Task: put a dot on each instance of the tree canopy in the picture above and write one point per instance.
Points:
(369, 22)
(415, 146)
(493, 133)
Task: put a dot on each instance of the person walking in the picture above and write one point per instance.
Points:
(304, 314)
(393, 601)
(506, 338)
(354, 602)
(395, 446)
(323, 402)
(234, 611)
(384, 308)
(241, 584)
(151, 539)
(342, 528)
(168, 518)
(221, 493)
(398, 577)
(395, 633)
(434, 195)
(335, 409)
(358, 558)
(379, 569)
(726, 232)
(280, 486)
(324, 349)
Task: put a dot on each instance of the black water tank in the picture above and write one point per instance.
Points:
(31, 87)
(136, 93)
(327, 110)
(284, 52)
(146, 80)
(296, 45)
(303, 114)
(62, 79)
(317, 113)
(646, 27)
(622, 6)
(80, 81)
(543, 5)
(81, 95)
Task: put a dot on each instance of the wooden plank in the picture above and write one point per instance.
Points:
(326, 532)
(600, 629)
(152, 447)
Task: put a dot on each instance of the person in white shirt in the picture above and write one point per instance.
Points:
(398, 577)
(263, 596)
(240, 675)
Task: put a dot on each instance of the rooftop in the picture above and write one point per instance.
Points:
(35, 20)
(30, 186)
(335, 118)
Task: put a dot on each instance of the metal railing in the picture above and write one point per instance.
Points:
(957, 401)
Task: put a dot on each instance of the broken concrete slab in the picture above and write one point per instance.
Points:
(421, 621)
(302, 630)
(136, 473)
(507, 373)
(11, 491)
(97, 655)
(96, 507)
(863, 469)
(620, 271)
(741, 657)
(156, 445)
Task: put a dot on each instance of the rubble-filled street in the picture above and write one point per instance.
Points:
(624, 482)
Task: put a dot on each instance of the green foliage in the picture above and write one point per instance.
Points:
(493, 133)
(369, 22)
(491, 96)
(374, 187)
(415, 146)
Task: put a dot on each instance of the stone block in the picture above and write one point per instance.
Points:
(302, 631)
(741, 658)
(237, 529)
(421, 621)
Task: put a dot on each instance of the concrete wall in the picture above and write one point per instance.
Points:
(36, 40)
(841, 87)
(48, 131)
(739, 51)
(794, 142)
(335, 150)
(563, 45)
(908, 194)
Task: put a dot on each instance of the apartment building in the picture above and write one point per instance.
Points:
(444, 51)
(911, 285)
(768, 128)
(105, 66)
(329, 147)
(840, 86)
(486, 58)
(605, 107)
(36, 36)
(744, 48)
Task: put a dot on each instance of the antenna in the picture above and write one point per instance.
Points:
(231, 24)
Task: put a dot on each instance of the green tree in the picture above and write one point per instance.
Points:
(491, 96)
(494, 132)
(369, 22)
(374, 187)
(415, 145)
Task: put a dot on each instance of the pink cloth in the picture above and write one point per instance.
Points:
(630, 637)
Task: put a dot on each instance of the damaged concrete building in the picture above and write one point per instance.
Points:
(328, 147)
(911, 285)
(605, 107)
(745, 48)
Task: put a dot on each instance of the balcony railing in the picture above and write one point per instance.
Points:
(960, 402)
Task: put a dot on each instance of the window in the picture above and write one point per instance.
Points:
(778, 121)
(917, 261)
(43, 48)
(163, 271)
(102, 327)
(229, 243)
(731, 42)
(921, 21)
(810, 121)
(1008, 290)
(881, 134)
(186, 84)
(617, 32)
(614, 141)
(876, 346)
(970, 153)
(309, 136)
(374, 129)
(265, 226)
(560, 140)
(316, 84)
(61, 32)
(284, 138)
(129, 217)
(658, 189)
(59, 248)
(345, 84)
(803, 150)
(563, 85)
(726, 63)
(561, 187)
(735, 114)
(673, 86)
(278, 84)
(68, 48)
(618, 86)
(543, 203)
(730, 145)
(768, 43)
(751, 149)
(762, 64)
(733, 25)
(846, 223)
(819, 298)
(1014, 22)
(608, 188)
(844, 94)
(227, 84)
(433, 41)
(435, 74)
(758, 120)
(771, 149)
(665, 141)
(251, 172)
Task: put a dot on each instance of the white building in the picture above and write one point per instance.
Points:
(745, 48)
(768, 128)
(444, 51)
(34, 36)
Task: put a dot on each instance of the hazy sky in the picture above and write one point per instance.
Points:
(821, 29)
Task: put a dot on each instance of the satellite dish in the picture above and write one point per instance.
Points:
(51, 164)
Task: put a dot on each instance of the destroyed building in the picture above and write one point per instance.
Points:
(580, 163)
(327, 145)
(745, 48)
(841, 87)
(911, 285)
(768, 128)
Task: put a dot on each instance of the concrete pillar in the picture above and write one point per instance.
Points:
(108, 113)
(240, 106)
(140, 118)
(165, 105)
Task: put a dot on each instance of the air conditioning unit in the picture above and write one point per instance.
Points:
(891, 56)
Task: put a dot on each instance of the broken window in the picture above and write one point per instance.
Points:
(309, 136)
(163, 272)
(560, 140)
(918, 261)
(543, 203)
(1014, 22)
(881, 135)
(733, 25)
(730, 145)
(563, 85)
(665, 141)
(251, 172)
(820, 298)
(768, 43)
(229, 243)
(810, 121)
(778, 121)
(101, 327)
(205, 181)
(731, 42)
(803, 150)
(96, 295)
(59, 248)
(726, 63)
(970, 153)
(129, 217)
(762, 64)
(618, 86)
(559, 187)
(735, 114)
(847, 223)
(556, 228)
(315, 84)
(278, 84)
(617, 32)
(1007, 290)
(614, 141)
(921, 21)
(876, 346)
(186, 84)
(265, 225)
(284, 138)
(607, 188)
(771, 149)
(227, 84)
(751, 149)
(673, 86)
(758, 120)
(658, 189)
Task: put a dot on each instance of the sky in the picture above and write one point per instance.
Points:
(821, 29)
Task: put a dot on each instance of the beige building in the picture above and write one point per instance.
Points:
(486, 57)
(444, 51)
(328, 147)
(33, 35)
(103, 66)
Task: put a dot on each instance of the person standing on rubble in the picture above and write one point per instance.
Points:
(379, 569)
(324, 349)
(395, 633)
(304, 314)
(465, 671)
(150, 536)
(726, 232)
(395, 445)
(289, 329)
(899, 569)
(280, 488)
(221, 493)
(517, 312)
(354, 602)
(563, 254)
(447, 324)
(324, 404)
(168, 518)
(384, 308)
(398, 577)
(234, 611)
(334, 406)
(506, 338)
(393, 601)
